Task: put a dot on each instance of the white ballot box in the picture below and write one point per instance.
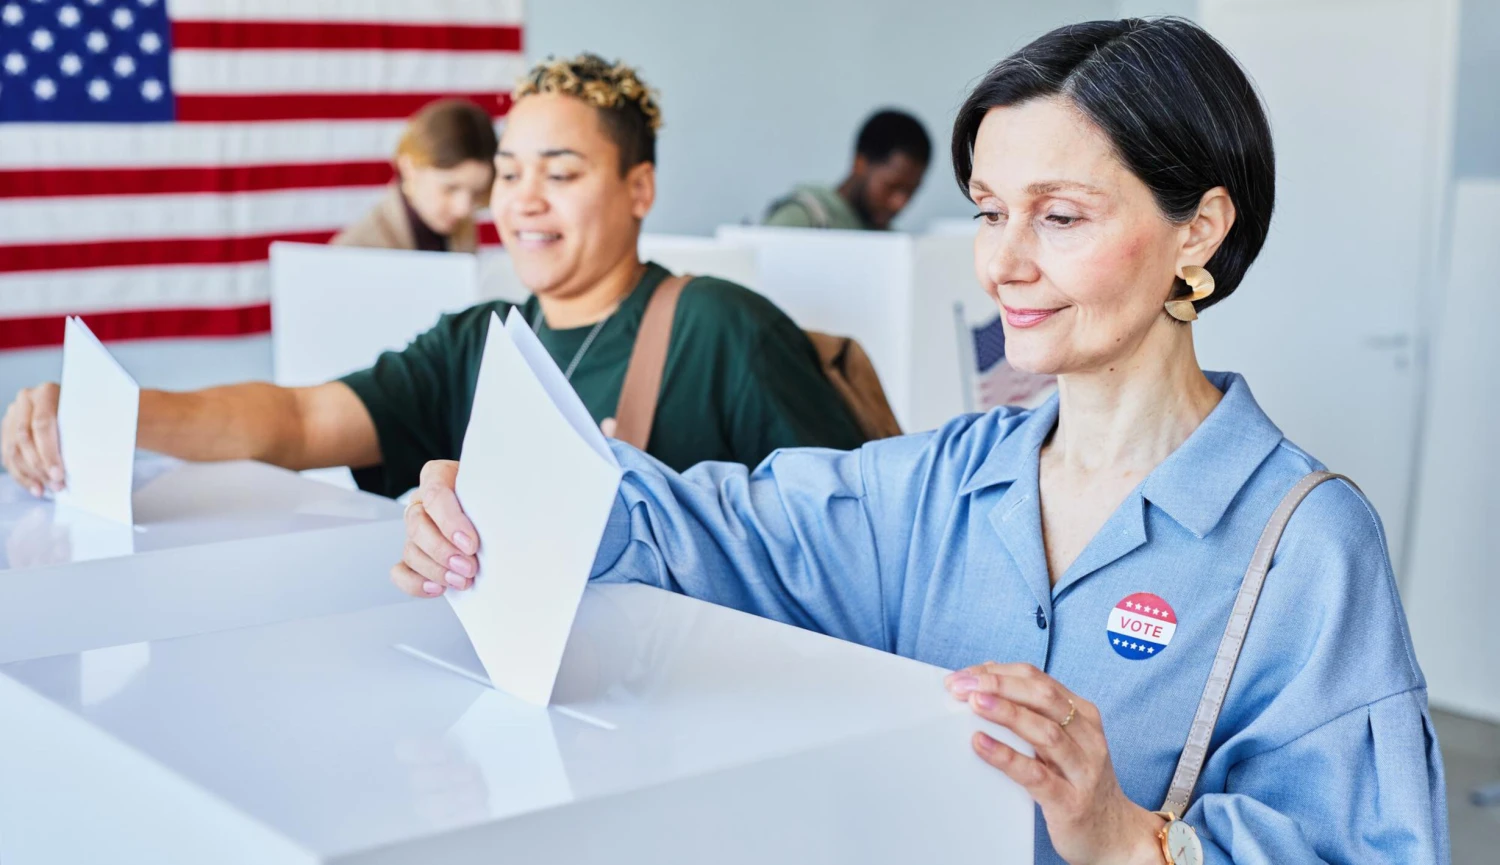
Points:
(909, 300)
(680, 732)
(214, 546)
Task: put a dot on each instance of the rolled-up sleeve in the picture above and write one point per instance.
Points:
(1366, 787)
(791, 541)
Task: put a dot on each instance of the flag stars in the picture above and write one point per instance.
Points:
(151, 90)
(13, 14)
(147, 3)
(97, 41)
(44, 88)
(150, 42)
(70, 64)
(15, 63)
(122, 18)
(69, 16)
(124, 66)
(41, 40)
(98, 90)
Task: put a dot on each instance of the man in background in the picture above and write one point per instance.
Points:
(890, 157)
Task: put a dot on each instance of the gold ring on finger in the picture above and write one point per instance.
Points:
(1072, 710)
(409, 505)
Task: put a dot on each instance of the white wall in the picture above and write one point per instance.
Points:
(760, 96)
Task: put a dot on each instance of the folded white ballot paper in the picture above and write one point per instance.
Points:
(538, 481)
(96, 425)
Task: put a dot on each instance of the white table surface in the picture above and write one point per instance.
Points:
(215, 545)
(680, 732)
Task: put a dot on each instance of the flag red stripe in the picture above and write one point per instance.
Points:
(336, 36)
(253, 107)
(140, 324)
(146, 253)
(158, 252)
(49, 183)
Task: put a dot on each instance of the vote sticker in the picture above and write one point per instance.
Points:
(1141, 626)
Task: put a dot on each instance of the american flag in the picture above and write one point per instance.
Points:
(998, 383)
(151, 150)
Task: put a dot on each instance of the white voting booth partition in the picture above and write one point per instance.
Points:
(680, 732)
(213, 545)
(909, 300)
(702, 256)
(334, 309)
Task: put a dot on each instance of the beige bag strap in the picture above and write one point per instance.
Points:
(1190, 764)
(636, 410)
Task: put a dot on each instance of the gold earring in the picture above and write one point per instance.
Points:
(1202, 284)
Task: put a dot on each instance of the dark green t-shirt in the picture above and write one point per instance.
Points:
(741, 381)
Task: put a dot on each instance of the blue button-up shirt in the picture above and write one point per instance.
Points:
(930, 546)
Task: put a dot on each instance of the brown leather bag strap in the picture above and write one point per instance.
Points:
(636, 410)
(1190, 763)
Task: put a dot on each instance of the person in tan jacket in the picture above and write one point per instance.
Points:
(445, 168)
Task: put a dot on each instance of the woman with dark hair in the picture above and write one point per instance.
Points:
(1091, 567)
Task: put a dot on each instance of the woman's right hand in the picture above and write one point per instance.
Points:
(28, 440)
(440, 541)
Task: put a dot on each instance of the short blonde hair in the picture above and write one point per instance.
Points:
(628, 107)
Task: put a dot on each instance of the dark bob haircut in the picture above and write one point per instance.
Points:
(1179, 111)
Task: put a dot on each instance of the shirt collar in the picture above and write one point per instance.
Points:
(1010, 456)
(1198, 482)
(1194, 486)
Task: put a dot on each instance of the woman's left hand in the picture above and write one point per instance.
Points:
(1071, 777)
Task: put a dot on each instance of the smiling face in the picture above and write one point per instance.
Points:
(1072, 245)
(566, 214)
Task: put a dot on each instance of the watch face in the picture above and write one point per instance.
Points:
(1183, 843)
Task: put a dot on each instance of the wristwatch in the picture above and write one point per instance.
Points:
(1179, 841)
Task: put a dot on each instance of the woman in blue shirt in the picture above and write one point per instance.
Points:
(1077, 563)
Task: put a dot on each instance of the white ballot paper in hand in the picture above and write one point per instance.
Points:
(96, 424)
(538, 481)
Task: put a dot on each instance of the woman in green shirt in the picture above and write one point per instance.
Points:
(575, 178)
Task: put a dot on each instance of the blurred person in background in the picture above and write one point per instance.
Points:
(890, 158)
(444, 169)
